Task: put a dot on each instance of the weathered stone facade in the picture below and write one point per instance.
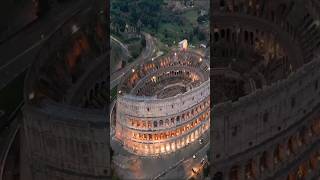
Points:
(273, 131)
(149, 125)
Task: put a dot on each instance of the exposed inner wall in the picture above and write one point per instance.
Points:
(293, 155)
(276, 109)
(91, 90)
(144, 107)
(259, 52)
(269, 39)
(61, 141)
(133, 82)
(298, 18)
(153, 82)
(272, 132)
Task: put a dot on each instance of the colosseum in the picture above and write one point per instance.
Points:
(265, 74)
(163, 105)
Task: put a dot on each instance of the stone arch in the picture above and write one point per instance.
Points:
(250, 170)
(291, 177)
(234, 173)
(302, 171)
(160, 123)
(313, 162)
(167, 122)
(291, 146)
(278, 154)
(218, 176)
(264, 161)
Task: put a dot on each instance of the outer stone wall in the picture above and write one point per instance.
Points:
(148, 126)
(265, 117)
(66, 143)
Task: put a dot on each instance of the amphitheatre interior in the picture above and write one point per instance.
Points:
(167, 79)
(264, 68)
(254, 45)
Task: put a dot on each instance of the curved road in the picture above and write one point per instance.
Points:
(123, 46)
(146, 54)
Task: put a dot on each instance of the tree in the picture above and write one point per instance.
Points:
(146, 12)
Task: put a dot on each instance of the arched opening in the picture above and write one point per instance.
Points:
(278, 154)
(250, 171)
(302, 171)
(161, 123)
(218, 176)
(313, 161)
(291, 146)
(291, 177)
(234, 173)
(264, 165)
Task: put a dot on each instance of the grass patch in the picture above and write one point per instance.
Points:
(191, 16)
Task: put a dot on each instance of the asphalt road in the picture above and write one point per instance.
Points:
(184, 169)
(146, 54)
(123, 46)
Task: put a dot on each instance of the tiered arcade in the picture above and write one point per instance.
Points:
(164, 105)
